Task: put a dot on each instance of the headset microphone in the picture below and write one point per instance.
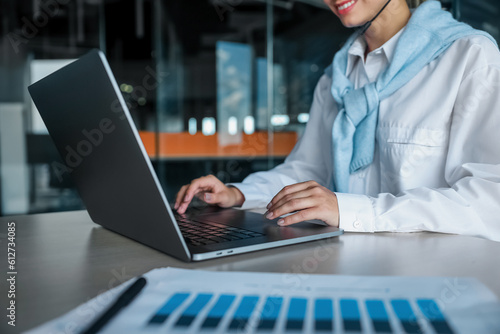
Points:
(367, 25)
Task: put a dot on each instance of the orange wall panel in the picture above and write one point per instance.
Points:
(184, 145)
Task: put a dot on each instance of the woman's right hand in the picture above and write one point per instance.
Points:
(211, 190)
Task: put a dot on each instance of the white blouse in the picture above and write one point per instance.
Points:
(437, 158)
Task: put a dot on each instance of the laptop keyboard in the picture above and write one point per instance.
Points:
(199, 233)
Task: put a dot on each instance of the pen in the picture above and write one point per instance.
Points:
(123, 300)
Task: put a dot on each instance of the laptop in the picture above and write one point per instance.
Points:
(91, 126)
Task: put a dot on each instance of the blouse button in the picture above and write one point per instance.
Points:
(357, 224)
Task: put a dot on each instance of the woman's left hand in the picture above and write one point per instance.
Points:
(308, 200)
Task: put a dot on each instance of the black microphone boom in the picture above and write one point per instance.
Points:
(367, 25)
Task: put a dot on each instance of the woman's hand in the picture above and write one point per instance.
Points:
(309, 200)
(209, 189)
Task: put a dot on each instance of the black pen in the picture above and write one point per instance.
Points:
(123, 300)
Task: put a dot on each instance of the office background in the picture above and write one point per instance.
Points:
(214, 86)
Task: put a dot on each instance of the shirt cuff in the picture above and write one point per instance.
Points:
(253, 197)
(356, 213)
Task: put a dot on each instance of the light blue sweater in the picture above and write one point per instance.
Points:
(429, 32)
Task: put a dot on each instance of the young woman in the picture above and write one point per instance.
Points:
(403, 132)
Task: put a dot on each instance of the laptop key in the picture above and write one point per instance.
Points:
(218, 239)
(231, 238)
(240, 235)
(245, 232)
(218, 225)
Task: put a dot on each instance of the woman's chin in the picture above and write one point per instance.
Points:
(351, 23)
(351, 20)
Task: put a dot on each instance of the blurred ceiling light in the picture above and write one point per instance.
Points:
(279, 120)
(232, 125)
(303, 118)
(208, 126)
(249, 125)
(192, 126)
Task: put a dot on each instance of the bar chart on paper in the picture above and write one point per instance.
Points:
(228, 313)
(195, 301)
(191, 301)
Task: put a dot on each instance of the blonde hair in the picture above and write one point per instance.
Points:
(414, 3)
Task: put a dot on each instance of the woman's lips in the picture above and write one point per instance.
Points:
(346, 6)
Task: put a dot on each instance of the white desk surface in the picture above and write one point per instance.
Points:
(64, 259)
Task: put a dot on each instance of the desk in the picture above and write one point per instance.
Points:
(63, 260)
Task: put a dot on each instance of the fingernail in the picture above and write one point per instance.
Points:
(268, 206)
(269, 215)
(208, 197)
(281, 222)
(176, 206)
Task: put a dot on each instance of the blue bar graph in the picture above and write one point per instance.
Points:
(432, 312)
(379, 316)
(270, 313)
(193, 309)
(243, 312)
(168, 308)
(296, 313)
(218, 311)
(405, 314)
(323, 315)
(350, 315)
(410, 314)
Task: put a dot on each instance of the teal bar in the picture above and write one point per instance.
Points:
(405, 314)
(270, 313)
(323, 309)
(198, 304)
(403, 310)
(218, 311)
(173, 303)
(296, 314)
(323, 315)
(351, 318)
(349, 309)
(272, 308)
(243, 313)
(297, 309)
(221, 306)
(246, 307)
(376, 310)
(430, 309)
(168, 308)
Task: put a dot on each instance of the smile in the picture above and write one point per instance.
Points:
(345, 6)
